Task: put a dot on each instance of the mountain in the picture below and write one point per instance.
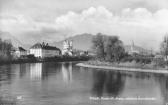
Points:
(84, 42)
(7, 36)
(80, 42)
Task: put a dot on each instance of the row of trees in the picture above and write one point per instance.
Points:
(108, 48)
(5, 50)
(164, 47)
(111, 48)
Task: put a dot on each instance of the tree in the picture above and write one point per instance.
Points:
(5, 49)
(108, 48)
(114, 48)
(98, 46)
(164, 47)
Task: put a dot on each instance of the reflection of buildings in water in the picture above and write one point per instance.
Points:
(23, 68)
(36, 71)
(163, 81)
(67, 72)
(107, 83)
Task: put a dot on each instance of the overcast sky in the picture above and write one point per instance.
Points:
(144, 21)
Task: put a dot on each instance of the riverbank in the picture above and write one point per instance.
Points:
(37, 60)
(159, 71)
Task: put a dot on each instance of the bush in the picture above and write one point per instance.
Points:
(160, 62)
(138, 59)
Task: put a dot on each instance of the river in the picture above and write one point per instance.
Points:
(67, 84)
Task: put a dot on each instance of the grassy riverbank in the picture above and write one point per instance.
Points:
(133, 64)
(123, 69)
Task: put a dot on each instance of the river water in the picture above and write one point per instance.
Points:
(66, 84)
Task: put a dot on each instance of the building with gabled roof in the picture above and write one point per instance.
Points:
(20, 51)
(43, 50)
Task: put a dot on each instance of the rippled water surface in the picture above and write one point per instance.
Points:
(67, 84)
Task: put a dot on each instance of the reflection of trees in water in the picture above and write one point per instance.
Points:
(109, 83)
(163, 81)
(6, 73)
(7, 101)
(114, 83)
(141, 75)
(6, 77)
(99, 80)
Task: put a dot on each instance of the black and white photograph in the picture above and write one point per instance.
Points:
(83, 52)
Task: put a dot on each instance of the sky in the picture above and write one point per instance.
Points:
(143, 21)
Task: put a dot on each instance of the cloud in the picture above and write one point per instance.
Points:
(146, 28)
(100, 15)
(155, 3)
(131, 24)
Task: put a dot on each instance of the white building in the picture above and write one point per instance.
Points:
(133, 49)
(44, 50)
(19, 52)
(67, 47)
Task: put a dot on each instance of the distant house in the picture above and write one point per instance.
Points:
(44, 50)
(159, 56)
(19, 52)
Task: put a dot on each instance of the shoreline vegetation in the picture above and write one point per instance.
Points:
(51, 59)
(110, 54)
(133, 64)
(123, 67)
(8, 56)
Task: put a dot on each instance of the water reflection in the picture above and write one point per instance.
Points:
(163, 81)
(36, 71)
(50, 69)
(23, 68)
(6, 74)
(64, 83)
(67, 72)
(42, 71)
(7, 77)
(107, 83)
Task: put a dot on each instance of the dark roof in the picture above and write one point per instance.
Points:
(21, 49)
(43, 46)
(37, 45)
